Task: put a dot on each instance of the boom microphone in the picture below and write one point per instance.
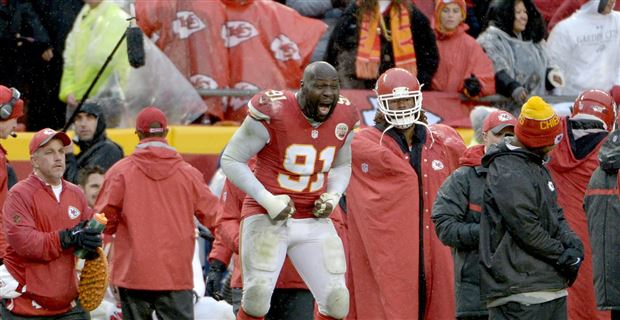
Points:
(135, 53)
(135, 42)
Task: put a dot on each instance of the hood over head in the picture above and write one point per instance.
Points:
(96, 110)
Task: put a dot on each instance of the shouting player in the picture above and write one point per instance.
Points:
(303, 163)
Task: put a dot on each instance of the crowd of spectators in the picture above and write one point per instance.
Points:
(222, 45)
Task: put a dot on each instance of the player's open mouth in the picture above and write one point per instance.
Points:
(324, 108)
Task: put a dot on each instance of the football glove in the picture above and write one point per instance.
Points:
(278, 207)
(325, 205)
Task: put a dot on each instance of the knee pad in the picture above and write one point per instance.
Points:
(338, 303)
(256, 298)
(333, 251)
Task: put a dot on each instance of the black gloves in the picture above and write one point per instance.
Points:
(472, 86)
(216, 273)
(568, 264)
(80, 236)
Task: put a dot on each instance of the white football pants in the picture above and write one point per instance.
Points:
(314, 248)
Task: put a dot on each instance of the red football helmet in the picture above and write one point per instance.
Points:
(397, 84)
(596, 103)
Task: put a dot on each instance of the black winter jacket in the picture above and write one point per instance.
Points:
(342, 49)
(602, 205)
(522, 229)
(100, 151)
(456, 216)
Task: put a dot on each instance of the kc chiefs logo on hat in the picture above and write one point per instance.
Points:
(548, 124)
(504, 117)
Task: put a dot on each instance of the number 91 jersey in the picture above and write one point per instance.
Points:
(298, 156)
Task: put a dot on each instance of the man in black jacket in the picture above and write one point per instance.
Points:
(456, 215)
(602, 205)
(528, 253)
(95, 147)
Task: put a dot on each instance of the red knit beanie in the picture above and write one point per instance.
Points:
(538, 125)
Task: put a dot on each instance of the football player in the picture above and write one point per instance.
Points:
(572, 163)
(399, 268)
(303, 163)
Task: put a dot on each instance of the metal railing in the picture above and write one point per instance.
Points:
(496, 98)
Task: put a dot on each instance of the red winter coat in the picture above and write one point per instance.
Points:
(4, 182)
(460, 56)
(150, 199)
(384, 227)
(571, 176)
(32, 218)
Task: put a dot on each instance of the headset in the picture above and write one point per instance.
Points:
(6, 109)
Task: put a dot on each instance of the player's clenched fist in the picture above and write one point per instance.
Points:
(278, 207)
(288, 210)
(326, 203)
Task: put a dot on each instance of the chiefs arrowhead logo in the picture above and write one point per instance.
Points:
(202, 81)
(504, 117)
(73, 212)
(235, 32)
(187, 22)
(284, 49)
(437, 165)
(240, 102)
(365, 167)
